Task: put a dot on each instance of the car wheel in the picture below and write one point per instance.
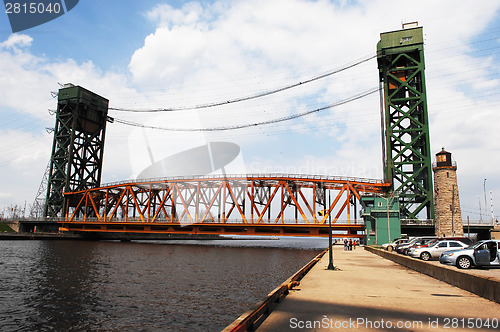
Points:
(390, 248)
(425, 256)
(464, 262)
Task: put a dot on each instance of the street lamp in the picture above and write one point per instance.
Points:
(330, 252)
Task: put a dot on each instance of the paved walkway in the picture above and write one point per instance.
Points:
(370, 293)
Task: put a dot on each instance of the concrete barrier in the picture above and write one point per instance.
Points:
(488, 288)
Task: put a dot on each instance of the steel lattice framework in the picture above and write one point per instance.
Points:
(240, 204)
(407, 145)
(78, 146)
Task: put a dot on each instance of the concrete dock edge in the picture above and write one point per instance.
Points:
(488, 288)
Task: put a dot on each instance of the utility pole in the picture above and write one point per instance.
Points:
(485, 203)
(388, 220)
(480, 211)
(492, 214)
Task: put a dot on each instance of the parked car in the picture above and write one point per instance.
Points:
(403, 248)
(430, 243)
(483, 253)
(436, 249)
(419, 244)
(390, 246)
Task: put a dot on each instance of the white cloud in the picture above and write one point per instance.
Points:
(16, 41)
(166, 16)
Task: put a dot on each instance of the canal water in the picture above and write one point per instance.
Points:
(141, 286)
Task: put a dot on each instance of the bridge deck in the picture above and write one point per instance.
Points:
(317, 230)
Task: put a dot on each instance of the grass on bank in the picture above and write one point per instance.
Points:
(5, 228)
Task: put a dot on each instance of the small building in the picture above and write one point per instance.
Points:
(382, 218)
(448, 216)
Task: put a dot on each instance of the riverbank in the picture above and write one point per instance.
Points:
(39, 236)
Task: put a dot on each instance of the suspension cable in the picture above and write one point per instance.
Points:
(255, 124)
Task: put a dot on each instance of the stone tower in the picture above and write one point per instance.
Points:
(447, 203)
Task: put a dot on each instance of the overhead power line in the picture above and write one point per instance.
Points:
(258, 95)
(255, 124)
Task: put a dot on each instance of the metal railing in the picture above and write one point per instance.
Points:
(420, 222)
(431, 222)
(249, 177)
(186, 221)
(453, 164)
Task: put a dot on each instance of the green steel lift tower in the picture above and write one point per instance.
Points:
(408, 163)
(78, 145)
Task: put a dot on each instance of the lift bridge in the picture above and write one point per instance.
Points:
(261, 204)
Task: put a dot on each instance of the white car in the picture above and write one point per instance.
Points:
(393, 244)
(435, 250)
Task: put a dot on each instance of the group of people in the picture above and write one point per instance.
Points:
(350, 244)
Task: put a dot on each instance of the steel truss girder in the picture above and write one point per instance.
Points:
(229, 200)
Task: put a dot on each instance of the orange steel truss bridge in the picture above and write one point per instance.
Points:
(275, 205)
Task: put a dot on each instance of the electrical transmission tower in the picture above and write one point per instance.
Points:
(38, 207)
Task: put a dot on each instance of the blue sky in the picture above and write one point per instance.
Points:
(153, 54)
(86, 32)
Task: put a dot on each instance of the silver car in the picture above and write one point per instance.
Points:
(435, 250)
(403, 248)
(484, 253)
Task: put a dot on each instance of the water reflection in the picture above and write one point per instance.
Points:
(166, 286)
(63, 282)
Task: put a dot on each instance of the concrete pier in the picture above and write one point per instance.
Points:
(370, 293)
